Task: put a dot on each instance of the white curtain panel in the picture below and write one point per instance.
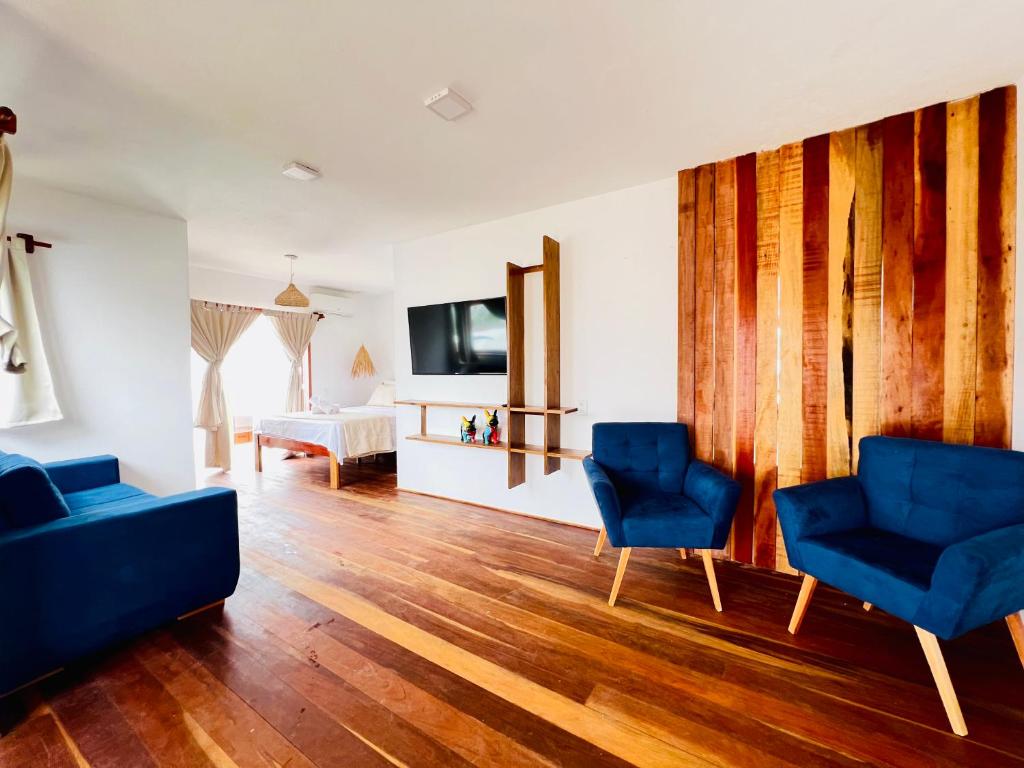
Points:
(26, 387)
(215, 329)
(295, 331)
(27, 395)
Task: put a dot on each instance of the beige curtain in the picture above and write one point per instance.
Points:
(26, 392)
(295, 331)
(11, 359)
(215, 329)
(27, 396)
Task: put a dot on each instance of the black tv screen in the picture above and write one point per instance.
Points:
(461, 337)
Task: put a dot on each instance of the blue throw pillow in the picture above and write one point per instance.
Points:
(27, 495)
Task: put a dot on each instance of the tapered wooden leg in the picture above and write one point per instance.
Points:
(259, 453)
(623, 559)
(868, 606)
(709, 569)
(1015, 621)
(933, 653)
(682, 553)
(601, 536)
(806, 590)
(335, 479)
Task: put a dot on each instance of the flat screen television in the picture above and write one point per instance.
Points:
(459, 338)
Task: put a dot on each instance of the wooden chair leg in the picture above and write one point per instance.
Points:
(682, 553)
(868, 606)
(933, 653)
(806, 590)
(1015, 621)
(623, 559)
(709, 569)
(601, 537)
(259, 452)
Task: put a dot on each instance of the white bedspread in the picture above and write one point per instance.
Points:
(361, 430)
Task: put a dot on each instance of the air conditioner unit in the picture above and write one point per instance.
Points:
(331, 303)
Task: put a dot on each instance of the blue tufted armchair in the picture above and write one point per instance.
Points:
(929, 532)
(650, 493)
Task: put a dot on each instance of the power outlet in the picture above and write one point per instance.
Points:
(581, 408)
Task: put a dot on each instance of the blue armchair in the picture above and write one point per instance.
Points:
(650, 493)
(87, 561)
(932, 533)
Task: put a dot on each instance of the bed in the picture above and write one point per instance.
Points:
(353, 432)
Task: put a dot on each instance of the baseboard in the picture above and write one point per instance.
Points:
(500, 509)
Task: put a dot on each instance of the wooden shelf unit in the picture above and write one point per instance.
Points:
(516, 409)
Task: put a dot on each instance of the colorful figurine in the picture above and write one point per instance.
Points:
(492, 434)
(469, 429)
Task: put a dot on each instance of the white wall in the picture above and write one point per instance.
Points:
(112, 297)
(618, 278)
(335, 340)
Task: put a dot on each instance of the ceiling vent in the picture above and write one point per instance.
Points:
(300, 171)
(448, 104)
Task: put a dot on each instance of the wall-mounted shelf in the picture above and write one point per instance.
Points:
(516, 447)
(453, 440)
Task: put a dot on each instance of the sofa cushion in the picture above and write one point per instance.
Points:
(643, 456)
(92, 498)
(940, 493)
(665, 520)
(892, 571)
(27, 495)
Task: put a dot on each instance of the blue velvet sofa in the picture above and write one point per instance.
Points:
(929, 532)
(651, 493)
(87, 561)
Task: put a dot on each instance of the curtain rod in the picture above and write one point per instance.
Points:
(30, 242)
(229, 307)
(8, 121)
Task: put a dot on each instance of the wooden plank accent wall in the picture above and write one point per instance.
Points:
(856, 283)
(766, 414)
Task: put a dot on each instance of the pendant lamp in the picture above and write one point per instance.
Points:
(291, 296)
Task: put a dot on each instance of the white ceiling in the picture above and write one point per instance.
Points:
(192, 107)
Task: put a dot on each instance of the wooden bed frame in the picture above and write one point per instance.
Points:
(262, 441)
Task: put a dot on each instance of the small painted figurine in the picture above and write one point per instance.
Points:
(469, 429)
(492, 433)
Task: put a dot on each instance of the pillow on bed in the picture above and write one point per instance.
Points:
(384, 394)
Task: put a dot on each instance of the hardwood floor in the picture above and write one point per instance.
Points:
(377, 627)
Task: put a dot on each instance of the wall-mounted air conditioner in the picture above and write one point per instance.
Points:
(331, 302)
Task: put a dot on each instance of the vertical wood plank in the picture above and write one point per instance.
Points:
(997, 222)
(725, 313)
(515, 310)
(746, 352)
(962, 262)
(687, 245)
(867, 285)
(929, 328)
(551, 289)
(704, 324)
(790, 424)
(815, 306)
(841, 159)
(897, 273)
(767, 356)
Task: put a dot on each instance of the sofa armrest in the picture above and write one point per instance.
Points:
(976, 581)
(83, 474)
(75, 585)
(813, 509)
(714, 492)
(607, 499)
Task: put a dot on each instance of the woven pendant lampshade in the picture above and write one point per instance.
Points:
(363, 366)
(291, 296)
